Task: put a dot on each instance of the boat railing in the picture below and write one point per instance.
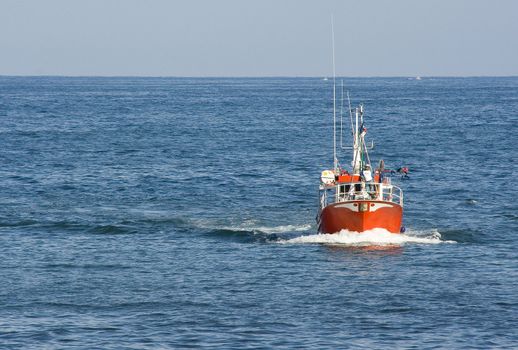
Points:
(343, 192)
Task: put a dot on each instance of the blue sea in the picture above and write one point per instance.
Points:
(174, 213)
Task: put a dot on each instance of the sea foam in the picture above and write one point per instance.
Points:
(377, 236)
(269, 229)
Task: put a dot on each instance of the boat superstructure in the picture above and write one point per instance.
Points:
(363, 198)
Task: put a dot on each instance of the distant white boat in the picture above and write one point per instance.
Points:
(418, 78)
(325, 79)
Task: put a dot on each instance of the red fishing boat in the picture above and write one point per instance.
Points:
(363, 198)
(360, 199)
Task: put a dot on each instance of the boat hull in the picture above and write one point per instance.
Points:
(360, 216)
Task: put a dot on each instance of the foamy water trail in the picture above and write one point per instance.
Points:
(253, 226)
(269, 229)
(283, 228)
(375, 236)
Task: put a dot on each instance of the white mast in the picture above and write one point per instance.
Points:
(356, 144)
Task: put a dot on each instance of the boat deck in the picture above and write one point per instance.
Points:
(354, 191)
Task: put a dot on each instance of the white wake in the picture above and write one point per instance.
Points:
(377, 236)
(251, 226)
(269, 229)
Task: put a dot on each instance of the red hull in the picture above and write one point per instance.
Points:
(361, 216)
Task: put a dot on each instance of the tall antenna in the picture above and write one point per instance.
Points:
(342, 115)
(335, 160)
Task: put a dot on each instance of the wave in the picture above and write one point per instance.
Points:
(250, 226)
(21, 223)
(463, 235)
(375, 236)
(72, 227)
(248, 231)
(112, 229)
(269, 229)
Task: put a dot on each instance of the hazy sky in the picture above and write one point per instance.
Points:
(258, 37)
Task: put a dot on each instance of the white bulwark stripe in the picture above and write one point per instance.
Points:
(372, 207)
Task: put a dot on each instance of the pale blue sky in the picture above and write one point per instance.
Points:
(258, 37)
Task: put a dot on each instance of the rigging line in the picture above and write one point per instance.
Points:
(366, 152)
(335, 160)
(350, 113)
(342, 116)
(364, 144)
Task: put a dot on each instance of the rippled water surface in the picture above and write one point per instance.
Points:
(177, 213)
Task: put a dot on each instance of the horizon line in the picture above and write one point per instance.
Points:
(249, 76)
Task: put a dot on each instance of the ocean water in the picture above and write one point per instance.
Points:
(144, 213)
